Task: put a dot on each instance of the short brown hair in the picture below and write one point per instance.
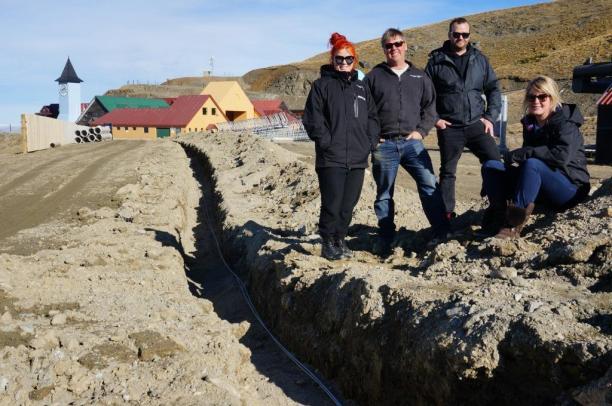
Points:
(458, 20)
(390, 33)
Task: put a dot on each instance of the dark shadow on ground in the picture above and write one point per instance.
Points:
(209, 277)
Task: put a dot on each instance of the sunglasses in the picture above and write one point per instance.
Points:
(541, 97)
(456, 35)
(396, 44)
(348, 59)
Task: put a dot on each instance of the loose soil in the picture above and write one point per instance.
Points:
(469, 320)
(111, 291)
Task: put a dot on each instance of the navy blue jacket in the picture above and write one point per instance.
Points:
(459, 99)
(558, 143)
(340, 117)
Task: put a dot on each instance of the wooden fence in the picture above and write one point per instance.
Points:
(38, 132)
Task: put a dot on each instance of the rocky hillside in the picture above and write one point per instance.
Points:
(521, 42)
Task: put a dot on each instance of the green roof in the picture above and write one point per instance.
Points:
(111, 103)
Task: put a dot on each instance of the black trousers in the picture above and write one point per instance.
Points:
(340, 189)
(451, 141)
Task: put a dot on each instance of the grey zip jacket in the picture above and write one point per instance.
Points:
(404, 104)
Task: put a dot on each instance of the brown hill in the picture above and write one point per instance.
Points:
(549, 38)
(521, 42)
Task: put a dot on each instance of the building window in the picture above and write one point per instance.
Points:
(214, 111)
(146, 130)
(134, 128)
(204, 111)
(125, 128)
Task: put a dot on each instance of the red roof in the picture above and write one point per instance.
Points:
(178, 115)
(606, 98)
(265, 107)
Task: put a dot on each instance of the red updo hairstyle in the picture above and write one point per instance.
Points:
(339, 42)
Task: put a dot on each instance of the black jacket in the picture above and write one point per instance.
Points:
(340, 117)
(459, 98)
(558, 143)
(405, 103)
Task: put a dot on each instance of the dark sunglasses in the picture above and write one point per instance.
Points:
(348, 59)
(390, 45)
(541, 97)
(465, 35)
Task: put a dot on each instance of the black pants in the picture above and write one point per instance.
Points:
(340, 189)
(451, 141)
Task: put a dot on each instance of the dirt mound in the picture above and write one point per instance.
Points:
(468, 321)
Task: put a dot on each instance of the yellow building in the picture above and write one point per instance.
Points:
(185, 114)
(231, 99)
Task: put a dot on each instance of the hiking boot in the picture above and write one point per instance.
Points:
(516, 218)
(382, 247)
(343, 248)
(493, 219)
(329, 250)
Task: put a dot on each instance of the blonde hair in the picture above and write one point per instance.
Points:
(545, 85)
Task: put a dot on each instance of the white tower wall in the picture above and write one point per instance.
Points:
(70, 103)
(74, 101)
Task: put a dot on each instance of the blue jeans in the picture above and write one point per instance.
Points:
(413, 157)
(532, 180)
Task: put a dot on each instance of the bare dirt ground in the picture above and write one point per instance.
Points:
(111, 291)
(467, 321)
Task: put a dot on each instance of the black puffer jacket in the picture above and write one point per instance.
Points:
(340, 117)
(558, 143)
(405, 104)
(459, 99)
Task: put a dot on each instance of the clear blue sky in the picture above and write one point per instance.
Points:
(112, 42)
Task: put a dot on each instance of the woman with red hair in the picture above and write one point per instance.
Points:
(340, 117)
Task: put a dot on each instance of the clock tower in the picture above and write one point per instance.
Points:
(69, 94)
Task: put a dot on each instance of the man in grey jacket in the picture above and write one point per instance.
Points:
(405, 101)
(461, 74)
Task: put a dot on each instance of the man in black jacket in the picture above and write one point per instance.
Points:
(461, 75)
(405, 101)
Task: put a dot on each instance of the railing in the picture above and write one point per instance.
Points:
(276, 126)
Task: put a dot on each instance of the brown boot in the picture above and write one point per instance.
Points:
(516, 218)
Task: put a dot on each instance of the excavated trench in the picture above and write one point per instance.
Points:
(209, 278)
(399, 334)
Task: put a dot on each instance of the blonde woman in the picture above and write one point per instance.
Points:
(550, 166)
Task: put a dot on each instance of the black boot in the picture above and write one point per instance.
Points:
(493, 219)
(329, 250)
(343, 248)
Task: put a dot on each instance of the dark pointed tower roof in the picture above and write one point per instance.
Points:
(68, 74)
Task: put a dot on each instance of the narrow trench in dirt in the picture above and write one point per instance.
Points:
(209, 278)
